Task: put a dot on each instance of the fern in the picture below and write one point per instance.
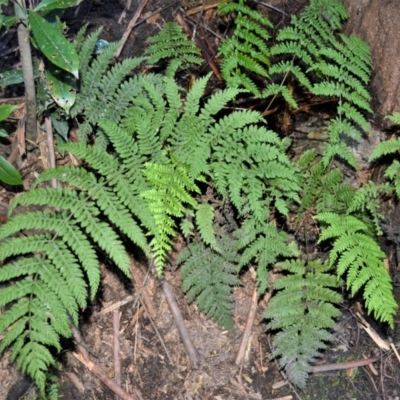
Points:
(172, 43)
(209, 276)
(391, 146)
(100, 90)
(161, 150)
(302, 310)
(339, 66)
(171, 186)
(246, 51)
(356, 254)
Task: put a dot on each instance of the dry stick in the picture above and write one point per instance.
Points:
(50, 147)
(247, 329)
(99, 373)
(144, 293)
(187, 342)
(29, 79)
(127, 299)
(130, 27)
(156, 331)
(200, 45)
(344, 365)
(127, 7)
(117, 347)
(84, 358)
(76, 381)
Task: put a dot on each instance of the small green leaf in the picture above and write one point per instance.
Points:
(6, 110)
(8, 22)
(47, 5)
(8, 173)
(54, 45)
(3, 133)
(61, 87)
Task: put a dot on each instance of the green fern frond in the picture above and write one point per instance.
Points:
(367, 200)
(172, 43)
(303, 310)
(273, 89)
(395, 118)
(98, 96)
(356, 252)
(66, 229)
(168, 198)
(94, 72)
(204, 222)
(209, 277)
(340, 150)
(263, 244)
(85, 48)
(387, 147)
(340, 67)
(246, 51)
(393, 173)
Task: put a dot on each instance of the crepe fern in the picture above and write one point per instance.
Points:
(246, 51)
(357, 255)
(172, 44)
(329, 64)
(208, 277)
(392, 147)
(162, 149)
(303, 309)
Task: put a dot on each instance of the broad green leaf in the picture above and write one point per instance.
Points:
(54, 45)
(3, 133)
(11, 77)
(15, 76)
(8, 173)
(61, 86)
(61, 126)
(6, 110)
(47, 5)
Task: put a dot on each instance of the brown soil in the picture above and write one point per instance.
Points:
(154, 361)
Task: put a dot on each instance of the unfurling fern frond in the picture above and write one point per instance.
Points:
(209, 277)
(171, 43)
(246, 51)
(303, 311)
(357, 255)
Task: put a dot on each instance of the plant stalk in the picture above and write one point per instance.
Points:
(29, 79)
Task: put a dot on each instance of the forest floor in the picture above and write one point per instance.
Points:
(154, 361)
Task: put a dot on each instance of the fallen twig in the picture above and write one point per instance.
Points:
(129, 28)
(97, 371)
(157, 333)
(374, 336)
(76, 381)
(187, 342)
(85, 359)
(117, 347)
(210, 60)
(344, 365)
(247, 329)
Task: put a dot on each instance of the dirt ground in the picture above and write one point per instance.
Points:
(154, 361)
